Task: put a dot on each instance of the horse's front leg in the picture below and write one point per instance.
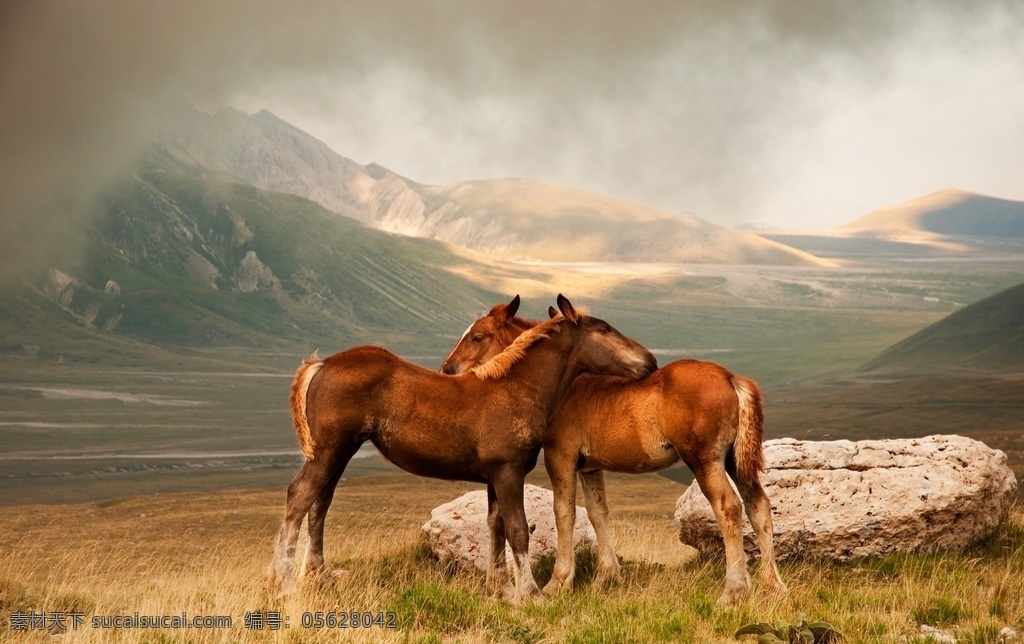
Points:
(608, 570)
(561, 469)
(498, 581)
(508, 486)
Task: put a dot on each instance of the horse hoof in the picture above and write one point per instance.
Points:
(538, 598)
(508, 593)
(607, 579)
(533, 596)
(733, 596)
(553, 587)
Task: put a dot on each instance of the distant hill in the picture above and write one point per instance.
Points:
(987, 335)
(535, 220)
(513, 219)
(947, 213)
(171, 257)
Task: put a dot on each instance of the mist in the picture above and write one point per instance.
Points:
(802, 116)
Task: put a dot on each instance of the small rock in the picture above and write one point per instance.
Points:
(936, 635)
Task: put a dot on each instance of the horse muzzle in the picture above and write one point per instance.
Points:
(649, 366)
(452, 369)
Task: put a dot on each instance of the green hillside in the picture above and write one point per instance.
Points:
(171, 257)
(987, 335)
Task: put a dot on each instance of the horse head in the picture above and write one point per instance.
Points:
(487, 337)
(603, 348)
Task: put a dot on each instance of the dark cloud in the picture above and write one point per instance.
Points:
(680, 104)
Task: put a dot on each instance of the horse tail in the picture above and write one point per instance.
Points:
(300, 388)
(747, 447)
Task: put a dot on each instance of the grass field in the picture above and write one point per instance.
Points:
(205, 554)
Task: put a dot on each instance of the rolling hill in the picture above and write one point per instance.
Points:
(985, 336)
(534, 220)
(947, 213)
(509, 218)
(170, 256)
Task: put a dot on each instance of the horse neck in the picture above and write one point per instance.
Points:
(549, 367)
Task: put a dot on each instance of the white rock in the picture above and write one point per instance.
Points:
(458, 529)
(843, 500)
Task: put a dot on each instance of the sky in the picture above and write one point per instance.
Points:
(801, 115)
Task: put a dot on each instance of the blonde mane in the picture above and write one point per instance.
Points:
(500, 364)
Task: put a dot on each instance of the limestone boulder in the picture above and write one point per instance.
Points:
(844, 500)
(458, 529)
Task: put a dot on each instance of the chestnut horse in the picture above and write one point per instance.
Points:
(690, 410)
(484, 426)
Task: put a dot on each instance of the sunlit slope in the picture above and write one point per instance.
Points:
(987, 335)
(507, 218)
(947, 213)
(535, 220)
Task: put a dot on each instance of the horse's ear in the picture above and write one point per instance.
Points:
(513, 306)
(565, 306)
(552, 312)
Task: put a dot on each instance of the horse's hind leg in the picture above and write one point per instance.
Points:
(508, 487)
(728, 512)
(314, 560)
(562, 472)
(759, 513)
(497, 567)
(303, 491)
(597, 508)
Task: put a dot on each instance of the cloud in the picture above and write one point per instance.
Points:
(697, 106)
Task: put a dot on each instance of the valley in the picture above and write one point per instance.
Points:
(104, 425)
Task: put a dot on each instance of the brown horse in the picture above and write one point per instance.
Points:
(690, 410)
(484, 426)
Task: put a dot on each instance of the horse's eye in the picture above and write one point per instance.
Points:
(604, 328)
(478, 338)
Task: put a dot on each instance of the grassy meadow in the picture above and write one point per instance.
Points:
(204, 554)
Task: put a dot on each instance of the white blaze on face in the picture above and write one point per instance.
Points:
(463, 337)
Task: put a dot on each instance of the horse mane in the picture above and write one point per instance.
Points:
(499, 365)
(524, 323)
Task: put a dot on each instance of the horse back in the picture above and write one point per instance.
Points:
(685, 407)
(426, 422)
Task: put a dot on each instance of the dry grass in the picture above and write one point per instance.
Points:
(205, 555)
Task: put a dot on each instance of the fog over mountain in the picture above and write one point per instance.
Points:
(511, 219)
(798, 115)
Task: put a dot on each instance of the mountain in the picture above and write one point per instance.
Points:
(170, 256)
(534, 220)
(947, 213)
(986, 336)
(508, 218)
(268, 153)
